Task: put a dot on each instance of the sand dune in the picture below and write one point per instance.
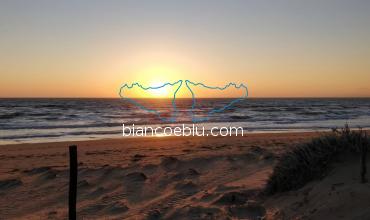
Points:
(339, 195)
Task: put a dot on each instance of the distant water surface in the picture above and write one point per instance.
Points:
(47, 120)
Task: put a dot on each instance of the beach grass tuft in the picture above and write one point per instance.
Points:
(310, 161)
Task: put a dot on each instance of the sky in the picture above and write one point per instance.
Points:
(291, 48)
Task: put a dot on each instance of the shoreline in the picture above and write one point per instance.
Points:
(129, 139)
(207, 133)
(84, 139)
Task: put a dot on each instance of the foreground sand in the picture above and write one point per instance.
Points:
(172, 178)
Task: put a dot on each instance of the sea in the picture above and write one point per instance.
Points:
(32, 120)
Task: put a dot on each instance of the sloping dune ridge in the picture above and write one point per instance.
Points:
(174, 178)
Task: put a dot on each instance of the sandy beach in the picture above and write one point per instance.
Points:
(185, 110)
(170, 178)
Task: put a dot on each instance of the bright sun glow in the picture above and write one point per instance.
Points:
(161, 92)
(155, 76)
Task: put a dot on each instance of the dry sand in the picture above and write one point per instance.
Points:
(172, 178)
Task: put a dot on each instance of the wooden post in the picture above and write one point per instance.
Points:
(363, 162)
(72, 182)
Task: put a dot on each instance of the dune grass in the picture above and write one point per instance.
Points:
(310, 160)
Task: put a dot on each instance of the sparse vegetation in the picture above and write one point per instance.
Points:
(310, 161)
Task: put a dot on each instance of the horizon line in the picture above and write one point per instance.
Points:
(267, 97)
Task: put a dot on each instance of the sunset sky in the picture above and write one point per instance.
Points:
(278, 48)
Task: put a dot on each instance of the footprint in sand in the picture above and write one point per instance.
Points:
(197, 212)
(48, 175)
(188, 174)
(251, 210)
(10, 183)
(137, 157)
(37, 170)
(102, 208)
(136, 176)
(153, 215)
(82, 184)
(232, 198)
(187, 187)
(170, 162)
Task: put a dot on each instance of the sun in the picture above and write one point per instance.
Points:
(163, 92)
(156, 76)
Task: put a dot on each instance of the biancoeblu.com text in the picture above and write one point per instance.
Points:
(183, 130)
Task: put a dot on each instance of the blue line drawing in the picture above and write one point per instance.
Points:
(214, 110)
(173, 101)
(172, 119)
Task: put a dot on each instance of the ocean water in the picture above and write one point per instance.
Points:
(48, 120)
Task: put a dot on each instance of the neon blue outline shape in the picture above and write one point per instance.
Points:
(187, 82)
(214, 110)
(172, 119)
